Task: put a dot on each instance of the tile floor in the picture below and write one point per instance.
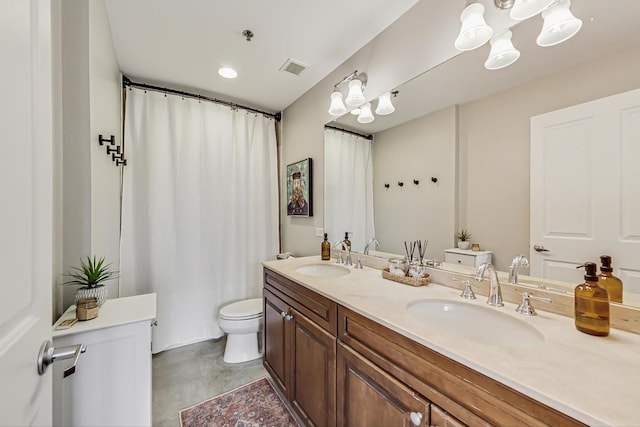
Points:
(188, 375)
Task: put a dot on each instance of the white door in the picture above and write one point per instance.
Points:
(585, 199)
(26, 214)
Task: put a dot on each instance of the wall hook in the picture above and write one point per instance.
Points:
(386, 185)
(400, 183)
(416, 182)
(434, 179)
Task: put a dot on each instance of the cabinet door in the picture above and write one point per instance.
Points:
(276, 340)
(313, 372)
(367, 396)
(439, 418)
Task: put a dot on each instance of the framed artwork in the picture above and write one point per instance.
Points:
(299, 189)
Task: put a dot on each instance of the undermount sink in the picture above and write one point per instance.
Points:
(323, 270)
(476, 323)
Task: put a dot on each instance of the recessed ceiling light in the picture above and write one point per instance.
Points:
(228, 73)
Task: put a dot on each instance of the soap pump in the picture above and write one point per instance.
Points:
(611, 283)
(325, 249)
(591, 304)
(347, 242)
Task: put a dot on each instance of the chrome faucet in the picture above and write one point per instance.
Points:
(375, 242)
(495, 293)
(519, 261)
(347, 248)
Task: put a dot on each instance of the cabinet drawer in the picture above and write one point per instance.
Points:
(318, 308)
(469, 260)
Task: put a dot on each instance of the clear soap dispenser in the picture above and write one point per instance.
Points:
(591, 304)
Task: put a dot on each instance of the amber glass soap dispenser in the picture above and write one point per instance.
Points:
(325, 249)
(611, 283)
(592, 304)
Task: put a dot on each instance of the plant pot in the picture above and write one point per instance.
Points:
(464, 244)
(99, 292)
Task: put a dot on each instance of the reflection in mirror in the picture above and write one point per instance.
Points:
(489, 164)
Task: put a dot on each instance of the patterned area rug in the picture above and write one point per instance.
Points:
(256, 404)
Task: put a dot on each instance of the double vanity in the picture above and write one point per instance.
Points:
(348, 347)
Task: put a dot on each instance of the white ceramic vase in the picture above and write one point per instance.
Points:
(464, 244)
(99, 292)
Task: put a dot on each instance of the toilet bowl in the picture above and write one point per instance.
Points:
(241, 322)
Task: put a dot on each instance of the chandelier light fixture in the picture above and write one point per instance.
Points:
(559, 25)
(356, 102)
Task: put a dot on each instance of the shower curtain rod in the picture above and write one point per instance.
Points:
(128, 82)
(369, 137)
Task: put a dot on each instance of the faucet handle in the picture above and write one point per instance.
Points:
(525, 306)
(339, 258)
(358, 263)
(467, 293)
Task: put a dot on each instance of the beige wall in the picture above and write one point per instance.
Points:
(494, 148)
(419, 149)
(390, 59)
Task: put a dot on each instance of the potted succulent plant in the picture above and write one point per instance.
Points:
(91, 276)
(464, 239)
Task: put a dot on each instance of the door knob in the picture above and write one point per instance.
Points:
(416, 418)
(540, 248)
(48, 354)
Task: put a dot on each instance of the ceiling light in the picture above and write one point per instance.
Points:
(228, 73)
(502, 52)
(384, 105)
(524, 9)
(559, 24)
(355, 111)
(474, 31)
(337, 107)
(365, 114)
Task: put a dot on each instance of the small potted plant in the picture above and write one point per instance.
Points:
(91, 276)
(464, 239)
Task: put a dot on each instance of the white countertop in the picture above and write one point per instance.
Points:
(114, 312)
(595, 380)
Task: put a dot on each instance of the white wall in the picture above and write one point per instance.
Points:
(419, 149)
(90, 93)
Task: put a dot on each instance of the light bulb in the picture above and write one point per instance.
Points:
(474, 31)
(337, 108)
(355, 97)
(384, 105)
(559, 25)
(502, 52)
(365, 114)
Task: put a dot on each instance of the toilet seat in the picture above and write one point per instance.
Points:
(242, 310)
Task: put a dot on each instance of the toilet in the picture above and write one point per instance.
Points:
(241, 322)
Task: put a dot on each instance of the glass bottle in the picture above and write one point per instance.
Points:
(591, 304)
(611, 283)
(346, 240)
(325, 249)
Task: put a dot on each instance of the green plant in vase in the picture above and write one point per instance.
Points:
(464, 239)
(91, 276)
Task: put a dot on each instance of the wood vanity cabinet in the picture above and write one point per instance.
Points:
(300, 348)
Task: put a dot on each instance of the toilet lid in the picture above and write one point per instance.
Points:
(248, 308)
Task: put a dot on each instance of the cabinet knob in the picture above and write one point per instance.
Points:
(416, 418)
(283, 314)
(288, 317)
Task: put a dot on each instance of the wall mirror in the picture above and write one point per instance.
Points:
(608, 27)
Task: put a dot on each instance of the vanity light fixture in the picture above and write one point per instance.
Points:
(384, 104)
(502, 52)
(474, 31)
(355, 96)
(559, 25)
(365, 115)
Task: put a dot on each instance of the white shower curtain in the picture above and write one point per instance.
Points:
(348, 187)
(199, 210)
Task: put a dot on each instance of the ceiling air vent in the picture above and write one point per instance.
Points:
(293, 66)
